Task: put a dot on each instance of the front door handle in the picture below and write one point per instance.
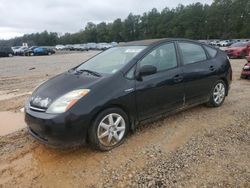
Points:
(211, 68)
(178, 78)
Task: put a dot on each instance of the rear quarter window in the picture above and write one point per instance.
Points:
(211, 51)
(192, 53)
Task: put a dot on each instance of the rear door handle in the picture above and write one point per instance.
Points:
(211, 68)
(178, 78)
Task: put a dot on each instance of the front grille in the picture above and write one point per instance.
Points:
(36, 109)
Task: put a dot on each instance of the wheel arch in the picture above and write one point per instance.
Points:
(227, 84)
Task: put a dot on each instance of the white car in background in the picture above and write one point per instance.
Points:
(113, 44)
(92, 46)
(15, 48)
(103, 46)
(225, 43)
(21, 50)
(215, 43)
(60, 47)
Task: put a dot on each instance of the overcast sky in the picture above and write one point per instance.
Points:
(18, 17)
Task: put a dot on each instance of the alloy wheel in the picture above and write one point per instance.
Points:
(219, 93)
(111, 129)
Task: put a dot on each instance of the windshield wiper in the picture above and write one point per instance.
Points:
(89, 71)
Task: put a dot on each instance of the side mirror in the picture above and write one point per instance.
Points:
(147, 70)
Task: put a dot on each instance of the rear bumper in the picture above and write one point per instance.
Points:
(59, 131)
(234, 54)
(245, 73)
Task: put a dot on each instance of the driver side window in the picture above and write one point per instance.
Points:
(163, 58)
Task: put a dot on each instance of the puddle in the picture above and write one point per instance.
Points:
(11, 122)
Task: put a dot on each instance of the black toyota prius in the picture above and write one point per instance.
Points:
(102, 99)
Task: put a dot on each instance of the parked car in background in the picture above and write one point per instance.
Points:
(69, 47)
(113, 44)
(59, 47)
(215, 43)
(103, 46)
(238, 50)
(83, 47)
(21, 51)
(15, 48)
(6, 51)
(43, 51)
(225, 43)
(107, 96)
(30, 51)
(92, 46)
(246, 69)
(80, 47)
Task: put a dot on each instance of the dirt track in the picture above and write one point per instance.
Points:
(203, 147)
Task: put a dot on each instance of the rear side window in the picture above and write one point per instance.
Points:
(192, 53)
(212, 52)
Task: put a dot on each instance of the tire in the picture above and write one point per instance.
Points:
(244, 76)
(49, 53)
(10, 55)
(104, 135)
(218, 94)
(243, 55)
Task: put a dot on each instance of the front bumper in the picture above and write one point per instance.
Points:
(60, 131)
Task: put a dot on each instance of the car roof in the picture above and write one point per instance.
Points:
(151, 42)
(147, 42)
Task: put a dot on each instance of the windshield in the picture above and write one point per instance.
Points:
(239, 44)
(112, 60)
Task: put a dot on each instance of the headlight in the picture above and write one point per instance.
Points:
(65, 102)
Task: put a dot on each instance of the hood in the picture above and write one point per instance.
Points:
(56, 87)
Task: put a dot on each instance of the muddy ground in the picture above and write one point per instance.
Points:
(20, 75)
(199, 147)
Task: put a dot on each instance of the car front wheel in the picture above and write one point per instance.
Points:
(109, 129)
(218, 94)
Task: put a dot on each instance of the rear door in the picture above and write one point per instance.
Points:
(199, 72)
(163, 91)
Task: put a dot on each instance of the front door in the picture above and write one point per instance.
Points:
(163, 91)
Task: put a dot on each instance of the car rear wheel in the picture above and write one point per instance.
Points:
(10, 55)
(109, 129)
(243, 55)
(49, 53)
(218, 94)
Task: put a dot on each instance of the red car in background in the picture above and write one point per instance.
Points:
(246, 69)
(238, 50)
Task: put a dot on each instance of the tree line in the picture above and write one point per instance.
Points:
(223, 19)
